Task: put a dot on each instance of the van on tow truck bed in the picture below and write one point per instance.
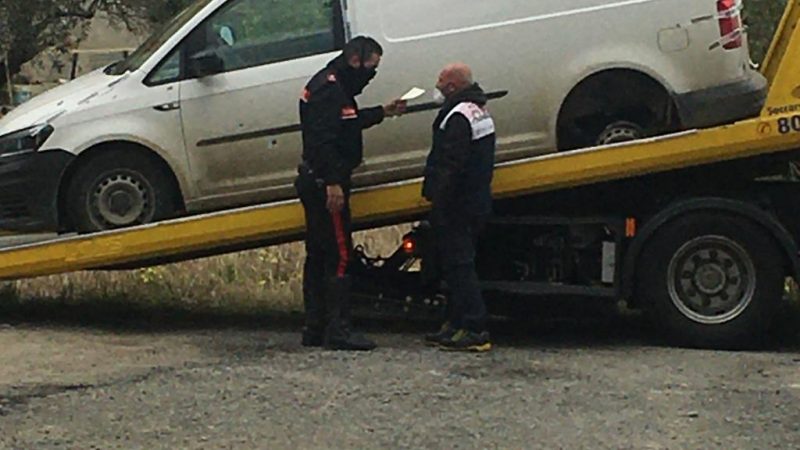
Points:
(693, 227)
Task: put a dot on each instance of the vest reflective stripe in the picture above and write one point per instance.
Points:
(479, 119)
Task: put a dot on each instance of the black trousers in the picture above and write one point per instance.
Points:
(329, 248)
(456, 236)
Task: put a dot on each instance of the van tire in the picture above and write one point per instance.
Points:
(620, 131)
(119, 189)
(623, 100)
(711, 281)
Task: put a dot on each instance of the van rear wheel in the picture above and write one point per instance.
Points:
(119, 189)
(620, 131)
(614, 106)
(711, 281)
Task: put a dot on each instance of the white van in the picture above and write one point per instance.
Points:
(170, 131)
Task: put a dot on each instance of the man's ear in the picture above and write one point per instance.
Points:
(354, 61)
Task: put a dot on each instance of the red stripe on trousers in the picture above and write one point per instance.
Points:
(344, 255)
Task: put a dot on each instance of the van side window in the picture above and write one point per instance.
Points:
(168, 71)
(248, 33)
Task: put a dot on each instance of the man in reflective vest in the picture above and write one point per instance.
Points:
(458, 179)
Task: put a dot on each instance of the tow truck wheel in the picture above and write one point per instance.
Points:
(711, 281)
(119, 189)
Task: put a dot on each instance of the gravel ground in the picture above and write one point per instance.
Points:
(564, 385)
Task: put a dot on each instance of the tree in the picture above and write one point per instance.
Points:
(27, 27)
(160, 11)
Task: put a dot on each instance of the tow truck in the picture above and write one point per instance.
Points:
(698, 228)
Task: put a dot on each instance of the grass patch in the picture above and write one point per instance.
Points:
(257, 282)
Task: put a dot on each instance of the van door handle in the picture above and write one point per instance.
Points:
(171, 106)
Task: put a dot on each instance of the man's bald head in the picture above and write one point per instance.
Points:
(454, 78)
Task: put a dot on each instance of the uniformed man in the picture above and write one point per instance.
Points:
(332, 125)
(458, 180)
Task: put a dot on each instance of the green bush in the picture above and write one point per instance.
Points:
(762, 17)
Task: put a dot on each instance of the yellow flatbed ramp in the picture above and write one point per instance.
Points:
(777, 129)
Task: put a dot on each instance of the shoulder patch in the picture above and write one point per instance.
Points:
(349, 113)
(479, 119)
(306, 96)
(322, 81)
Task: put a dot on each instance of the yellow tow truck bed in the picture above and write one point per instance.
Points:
(776, 130)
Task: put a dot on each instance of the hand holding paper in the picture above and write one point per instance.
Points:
(413, 94)
(395, 108)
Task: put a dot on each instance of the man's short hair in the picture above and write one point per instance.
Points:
(362, 46)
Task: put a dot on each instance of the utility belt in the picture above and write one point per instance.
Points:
(307, 173)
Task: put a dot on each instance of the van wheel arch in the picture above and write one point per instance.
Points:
(614, 96)
(86, 158)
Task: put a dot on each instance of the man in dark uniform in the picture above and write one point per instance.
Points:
(458, 179)
(332, 125)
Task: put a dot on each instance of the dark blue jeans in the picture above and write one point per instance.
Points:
(455, 243)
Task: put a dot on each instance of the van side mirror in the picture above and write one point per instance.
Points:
(204, 64)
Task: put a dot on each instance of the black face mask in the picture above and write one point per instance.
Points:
(356, 79)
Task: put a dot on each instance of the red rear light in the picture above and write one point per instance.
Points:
(730, 24)
(409, 245)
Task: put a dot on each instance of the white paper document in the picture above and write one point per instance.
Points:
(413, 94)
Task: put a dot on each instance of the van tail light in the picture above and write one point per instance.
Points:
(730, 24)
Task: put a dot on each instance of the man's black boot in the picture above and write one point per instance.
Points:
(313, 337)
(338, 334)
(338, 337)
(314, 303)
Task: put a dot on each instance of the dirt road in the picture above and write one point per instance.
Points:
(565, 385)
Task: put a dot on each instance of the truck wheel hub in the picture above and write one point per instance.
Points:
(711, 280)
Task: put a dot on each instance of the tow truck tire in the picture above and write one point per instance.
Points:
(119, 189)
(711, 281)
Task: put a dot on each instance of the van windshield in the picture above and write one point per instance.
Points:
(152, 44)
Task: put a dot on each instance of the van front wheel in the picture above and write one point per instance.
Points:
(119, 189)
